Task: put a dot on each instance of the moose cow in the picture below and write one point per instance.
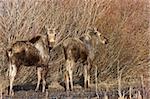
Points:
(81, 49)
(30, 53)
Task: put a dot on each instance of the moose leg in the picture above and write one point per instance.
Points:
(12, 74)
(70, 73)
(39, 73)
(88, 75)
(88, 81)
(69, 66)
(44, 72)
(44, 84)
(67, 74)
(67, 80)
(85, 76)
(88, 68)
(71, 81)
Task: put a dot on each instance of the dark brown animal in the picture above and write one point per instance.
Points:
(30, 53)
(81, 49)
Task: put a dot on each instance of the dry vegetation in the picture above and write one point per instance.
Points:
(125, 23)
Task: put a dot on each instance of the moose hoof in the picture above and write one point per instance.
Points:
(11, 93)
(36, 90)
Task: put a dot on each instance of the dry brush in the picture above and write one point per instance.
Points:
(124, 22)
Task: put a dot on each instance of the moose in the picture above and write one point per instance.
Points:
(81, 49)
(34, 52)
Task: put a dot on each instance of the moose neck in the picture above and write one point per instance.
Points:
(90, 42)
(41, 48)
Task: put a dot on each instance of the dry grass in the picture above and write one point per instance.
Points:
(124, 22)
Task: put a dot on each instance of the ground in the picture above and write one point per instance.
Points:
(56, 91)
(57, 94)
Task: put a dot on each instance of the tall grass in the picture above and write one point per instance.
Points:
(124, 22)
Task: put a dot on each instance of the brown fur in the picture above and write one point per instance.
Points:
(34, 52)
(24, 53)
(81, 49)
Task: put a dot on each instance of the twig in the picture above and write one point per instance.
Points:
(96, 85)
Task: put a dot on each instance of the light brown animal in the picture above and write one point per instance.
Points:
(81, 49)
(30, 53)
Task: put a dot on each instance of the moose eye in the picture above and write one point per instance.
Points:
(9, 49)
(95, 33)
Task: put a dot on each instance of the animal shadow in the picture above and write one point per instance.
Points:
(26, 87)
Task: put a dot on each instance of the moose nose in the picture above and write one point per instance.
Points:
(106, 42)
